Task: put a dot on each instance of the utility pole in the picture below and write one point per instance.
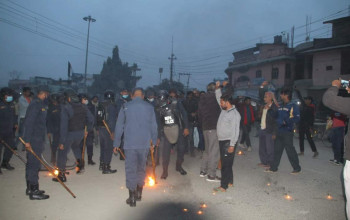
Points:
(172, 58)
(188, 79)
(89, 19)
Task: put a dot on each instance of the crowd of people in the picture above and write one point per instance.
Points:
(212, 123)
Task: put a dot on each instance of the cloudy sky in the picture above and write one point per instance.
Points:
(38, 38)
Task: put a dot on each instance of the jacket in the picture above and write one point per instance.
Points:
(288, 115)
(35, 121)
(137, 121)
(340, 104)
(208, 111)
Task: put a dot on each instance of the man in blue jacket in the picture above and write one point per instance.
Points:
(137, 121)
(288, 115)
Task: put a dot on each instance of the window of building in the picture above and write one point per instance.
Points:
(288, 71)
(274, 73)
(329, 67)
(258, 74)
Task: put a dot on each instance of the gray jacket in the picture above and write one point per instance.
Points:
(342, 105)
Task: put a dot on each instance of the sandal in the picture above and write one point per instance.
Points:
(219, 189)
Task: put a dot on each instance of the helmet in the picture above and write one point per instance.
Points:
(163, 95)
(70, 93)
(109, 95)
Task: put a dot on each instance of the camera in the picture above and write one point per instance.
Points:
(344, 83)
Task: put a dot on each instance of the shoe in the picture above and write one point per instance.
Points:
(139, 193)
(107, 169)
(132, 198)
(36, 194)
(60, 176)
(203, 174)
(29, 191)
(90, 161)
(181, 171)
(213, 179)
(219, 189)
(80, 167)
(301, 154)
(335, 162)
(6, 165)
(269, 171)
(249, 149)
(294, 172)
(315, 154)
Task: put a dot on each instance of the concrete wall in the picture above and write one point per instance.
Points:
(320, 75)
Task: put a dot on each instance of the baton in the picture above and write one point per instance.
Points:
(110, 134)
(13, 151)
(47, 167)
(153, 163)
(84, 145)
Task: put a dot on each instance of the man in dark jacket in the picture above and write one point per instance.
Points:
(288, 115)
(8, 125)
(208, 115)
(53, 125)
(306, 123)
(268, 131)
(191, 107)
(34, 136)
(342, 105)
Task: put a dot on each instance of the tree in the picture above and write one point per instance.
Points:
(115, 75)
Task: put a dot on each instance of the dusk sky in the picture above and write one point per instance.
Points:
(38, 38)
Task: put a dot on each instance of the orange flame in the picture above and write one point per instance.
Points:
(151, 181)
(185, 210)
(329, 197)
(199, 212)
(240, 152)
(288, 197)
(204, 205)
(56, 172)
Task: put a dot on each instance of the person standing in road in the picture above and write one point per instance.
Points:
(228, 132)
(34, 137)
(341, 104)
(23, 103)
(137, 121)
(288, 115)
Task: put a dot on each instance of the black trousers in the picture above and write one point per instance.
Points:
(106, 145)
(245, 136)
(166, 149)
(54, 146)
(9, 139)
(305, 130)
(226, 164)
(284, 140)
(33, 165)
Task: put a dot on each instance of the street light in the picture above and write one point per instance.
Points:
(89, 19)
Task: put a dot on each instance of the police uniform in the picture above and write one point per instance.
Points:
(53, 128)
(120, 103)
(138, 123)
(8, 122)
(106, 111)
(34, 133)
(172, 115)
(74, 117)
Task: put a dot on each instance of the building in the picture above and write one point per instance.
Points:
(274, 62)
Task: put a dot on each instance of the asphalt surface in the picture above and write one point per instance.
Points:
(255, 195)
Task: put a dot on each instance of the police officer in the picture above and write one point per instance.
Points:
(107, 112)
(123, 98)
(84, 99)
(74, 117)
(34, 136)
(137, 121)
(53, 125)
(173, 130)
(8, 125)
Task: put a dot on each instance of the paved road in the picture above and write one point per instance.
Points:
(255, 195)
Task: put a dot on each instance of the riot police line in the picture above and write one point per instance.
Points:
(70, 121)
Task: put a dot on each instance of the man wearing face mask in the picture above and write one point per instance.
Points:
(84, 99)
(8, 124)
(123, 99)
(74, 117)
(34, 137)
(106, 115)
